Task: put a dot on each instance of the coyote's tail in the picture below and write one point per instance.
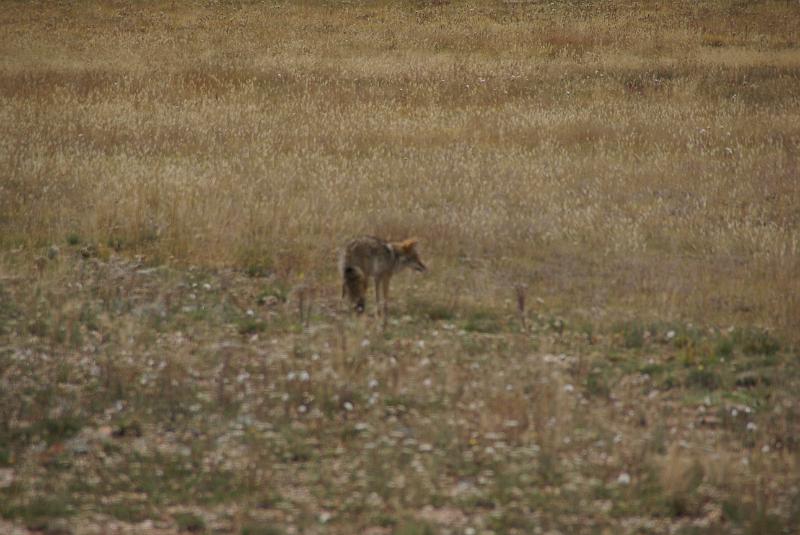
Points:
(353, 286)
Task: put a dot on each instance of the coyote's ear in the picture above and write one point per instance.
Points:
(408, 244)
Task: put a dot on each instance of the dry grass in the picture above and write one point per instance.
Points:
(629, 164)
(538, 139)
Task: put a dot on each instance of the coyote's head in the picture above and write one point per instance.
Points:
(407, 255)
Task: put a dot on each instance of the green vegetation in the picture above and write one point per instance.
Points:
(497, 427)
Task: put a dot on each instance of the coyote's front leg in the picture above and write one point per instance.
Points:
(377, 297)
(386, 300)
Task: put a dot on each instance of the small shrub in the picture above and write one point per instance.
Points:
(384, 520)
(732, 511)
(756, 342)
(754, 519)
(652, 369)
(190, 522)
(703, 378)
(251, 326)
(274, 289)
(434, 311)
(633, 335)
(75, 336)
(39, 327)
(88, 317)
(127, 428)
(258, 269)
(549, 468)
(481, 320)
(715, 40)
(669, 382)
(556, 325)
(724, 347)
(5, 452)
(254, 528)
(414, 527)
(129, 512)
(268, 499)
(116, 243)
(256, 262)
(678, 335)
(751, 379)
(53, 430)
(440, 312)
(8, 309)
(587, 330)
(37, 512)
(597, 385)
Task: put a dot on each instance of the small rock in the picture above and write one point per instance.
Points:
(268, 301)
(78, 446)
(88, 251)
(57, 526)
(750, 380)
(6, 477)
(709, 420)
(40, 262)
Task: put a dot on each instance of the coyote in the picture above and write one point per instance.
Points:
(369, 257)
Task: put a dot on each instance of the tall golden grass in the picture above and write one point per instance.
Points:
(616, 154)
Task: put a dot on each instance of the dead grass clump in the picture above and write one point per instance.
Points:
(681, 478)
(716, 40)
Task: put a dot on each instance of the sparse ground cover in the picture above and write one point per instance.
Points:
(607, 197)
(152, 399)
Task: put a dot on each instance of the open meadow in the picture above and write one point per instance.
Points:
(606, 195)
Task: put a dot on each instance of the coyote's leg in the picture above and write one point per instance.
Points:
(377, 297)
(363, 286)
(385, 299)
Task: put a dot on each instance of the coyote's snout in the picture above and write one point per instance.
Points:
(369, 257)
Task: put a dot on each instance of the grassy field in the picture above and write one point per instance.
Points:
(607, 196)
